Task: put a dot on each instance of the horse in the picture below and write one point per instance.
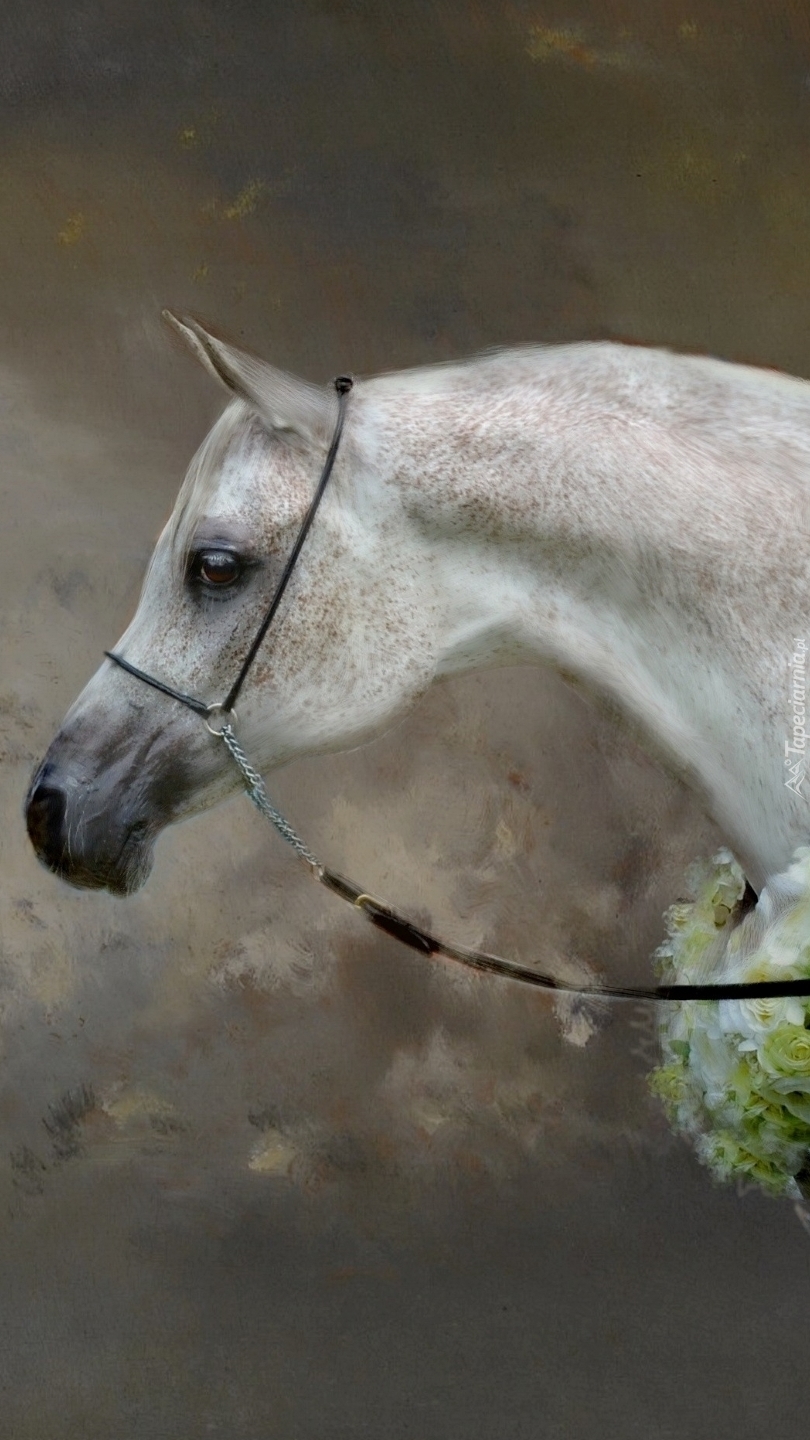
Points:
(633, 517)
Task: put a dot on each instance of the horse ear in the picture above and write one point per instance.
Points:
(286, 404)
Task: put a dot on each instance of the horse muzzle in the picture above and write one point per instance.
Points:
(83, 841)
(106, 788)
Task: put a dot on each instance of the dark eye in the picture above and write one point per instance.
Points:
(217, 567)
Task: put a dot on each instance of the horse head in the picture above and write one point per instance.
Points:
(352, 647)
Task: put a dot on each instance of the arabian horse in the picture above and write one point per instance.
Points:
(633, 517)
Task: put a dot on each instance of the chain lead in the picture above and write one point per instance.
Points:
(257, 793)
(403, 930)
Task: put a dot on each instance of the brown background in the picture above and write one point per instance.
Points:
(262, 1173)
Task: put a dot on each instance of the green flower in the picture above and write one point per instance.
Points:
(735, 1076)
(669, 1083)
(784, 1057)
(796, 1112)
(727, 1157)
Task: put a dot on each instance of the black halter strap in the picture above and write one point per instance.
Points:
(343, 384)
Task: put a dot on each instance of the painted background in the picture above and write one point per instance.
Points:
(262, 1172)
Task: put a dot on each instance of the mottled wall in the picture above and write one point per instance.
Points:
(264, 1173)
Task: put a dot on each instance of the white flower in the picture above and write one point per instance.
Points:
(714, 1061)
(751, 1019)
(736, 1075)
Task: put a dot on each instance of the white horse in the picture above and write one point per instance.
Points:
(636, 518)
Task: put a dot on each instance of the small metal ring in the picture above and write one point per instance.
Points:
(218, 709)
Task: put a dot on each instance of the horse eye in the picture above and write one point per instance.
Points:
(218, 567)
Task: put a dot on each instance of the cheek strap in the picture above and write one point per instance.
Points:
(343, 385)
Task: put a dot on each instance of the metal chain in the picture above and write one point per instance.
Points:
(257, 793)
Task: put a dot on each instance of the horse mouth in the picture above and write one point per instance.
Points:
(123, 875)
(133, 862)
(79, 863)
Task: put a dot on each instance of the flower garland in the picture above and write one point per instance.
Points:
(735, 1077)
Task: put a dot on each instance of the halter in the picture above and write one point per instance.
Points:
(377, 911)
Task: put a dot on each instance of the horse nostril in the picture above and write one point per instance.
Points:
(45, 818)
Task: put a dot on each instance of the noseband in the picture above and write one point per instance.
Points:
(380, 914)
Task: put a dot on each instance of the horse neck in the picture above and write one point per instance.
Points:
(554, 517)
(561, 523)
